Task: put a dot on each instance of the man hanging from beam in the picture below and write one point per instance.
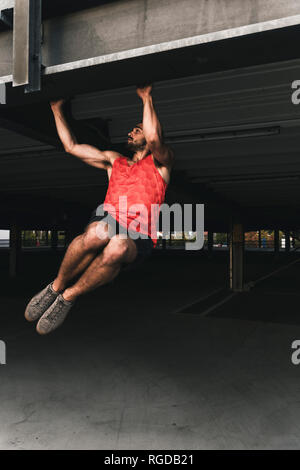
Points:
(121, 233)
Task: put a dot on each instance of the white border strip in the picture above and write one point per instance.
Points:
(177, 44)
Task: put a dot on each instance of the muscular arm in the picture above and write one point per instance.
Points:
(152, 129)
(87, 153)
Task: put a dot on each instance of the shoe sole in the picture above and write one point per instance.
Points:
(42, 333)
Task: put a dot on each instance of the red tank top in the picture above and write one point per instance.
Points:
(134, 195)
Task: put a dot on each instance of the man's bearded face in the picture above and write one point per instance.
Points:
(136, 139)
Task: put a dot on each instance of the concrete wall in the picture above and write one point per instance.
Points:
(128, 24)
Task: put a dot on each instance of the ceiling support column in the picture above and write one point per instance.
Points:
(287, 241)
(236, 251)
(276, 241)
(210, 241)
(14, 249)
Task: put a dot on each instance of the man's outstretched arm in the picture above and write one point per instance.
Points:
(87, 153)
(152, 129)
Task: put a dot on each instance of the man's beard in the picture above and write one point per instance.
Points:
(135, 146)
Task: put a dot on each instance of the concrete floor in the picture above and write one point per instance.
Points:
(128, 372)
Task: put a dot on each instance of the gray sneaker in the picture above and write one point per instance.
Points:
(54, 316)
(40, 302)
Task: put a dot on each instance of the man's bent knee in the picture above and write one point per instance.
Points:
(95, 236)
(119, 250)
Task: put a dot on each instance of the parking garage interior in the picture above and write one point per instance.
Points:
(202, 360)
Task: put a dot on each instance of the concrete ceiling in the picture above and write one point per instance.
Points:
(260, 175)
(258, 171)
(225, 106)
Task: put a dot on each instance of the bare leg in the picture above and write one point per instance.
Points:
(80, 253)
(104, 268)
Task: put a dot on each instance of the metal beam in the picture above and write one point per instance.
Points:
(173, 45)
(6, 18)
(21, 43)
(35, 43)
(146, 28)
(27, 44)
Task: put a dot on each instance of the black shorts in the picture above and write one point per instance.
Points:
(143, 243)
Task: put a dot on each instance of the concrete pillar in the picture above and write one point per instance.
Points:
(276, 240)
(259, 239)
(287, 240)
(210, 241)
(54, 239)
(14, 249)
(237, 257)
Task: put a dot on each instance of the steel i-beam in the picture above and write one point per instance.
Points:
(27, 44)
